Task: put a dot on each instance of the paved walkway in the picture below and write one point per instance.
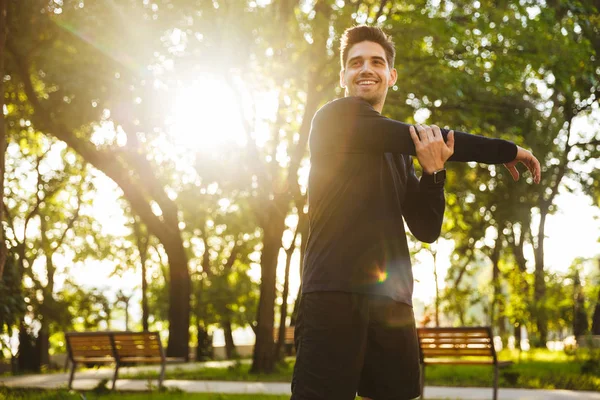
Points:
(85, 380)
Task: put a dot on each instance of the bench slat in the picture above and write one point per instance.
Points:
(149, 359)
(289, 334)
(455, 352)
(94, 359)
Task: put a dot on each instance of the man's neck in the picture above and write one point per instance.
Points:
(377, 107)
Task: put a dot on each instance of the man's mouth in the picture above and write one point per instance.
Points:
(366, 82)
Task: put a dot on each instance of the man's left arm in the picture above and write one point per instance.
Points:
(423, 206)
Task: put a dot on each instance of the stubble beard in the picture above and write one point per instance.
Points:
(373, 98)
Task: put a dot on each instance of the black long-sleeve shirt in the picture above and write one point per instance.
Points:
(362, 183)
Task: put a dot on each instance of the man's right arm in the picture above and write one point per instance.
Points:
(351, 125)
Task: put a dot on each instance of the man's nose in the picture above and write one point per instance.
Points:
(366, 67)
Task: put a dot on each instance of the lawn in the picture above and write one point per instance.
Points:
(30, 394)
(536, 369)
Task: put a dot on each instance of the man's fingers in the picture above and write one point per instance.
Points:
(422, 133)
(437, 133)
(513, 171)
(429, 133)
(450, 142)
(536, 170)
(533, 165)
(414, 136)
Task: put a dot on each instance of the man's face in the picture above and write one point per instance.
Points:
(367, 73)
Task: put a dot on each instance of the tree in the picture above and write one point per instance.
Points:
(61, 60)
(3, 135)
(44, 219)
(13, 304)
(596, 315)
(580, 319)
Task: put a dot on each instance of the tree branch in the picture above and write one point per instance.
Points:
(106, 163)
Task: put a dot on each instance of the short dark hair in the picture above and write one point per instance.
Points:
(362, 33)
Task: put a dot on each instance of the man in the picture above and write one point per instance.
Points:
(356, 329)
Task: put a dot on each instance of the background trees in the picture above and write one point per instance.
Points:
(199, 113)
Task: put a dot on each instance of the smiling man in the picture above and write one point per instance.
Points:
(356, 330)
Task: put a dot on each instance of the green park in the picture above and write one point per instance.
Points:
(155, 213)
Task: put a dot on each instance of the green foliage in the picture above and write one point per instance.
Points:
(90, 309)
(108, 94)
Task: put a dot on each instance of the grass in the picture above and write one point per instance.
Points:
(38, 394)
(536, 369)
(31, 394)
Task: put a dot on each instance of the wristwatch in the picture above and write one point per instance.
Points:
(439, 176)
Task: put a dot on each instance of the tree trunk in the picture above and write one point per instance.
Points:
(596, 316)
(518, 335)
(230, 351)
(203, 339)
(263, 360)
(3, 133)
(580, 322)
(495, 258)
(539, 287)
(43, 345)
(142, 243)
(284, 306)
(179, 298)
(145, 310)
(28, 356)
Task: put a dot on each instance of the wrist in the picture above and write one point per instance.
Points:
(436, 177)
(430, 170)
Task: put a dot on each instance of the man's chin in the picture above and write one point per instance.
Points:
(371, 98)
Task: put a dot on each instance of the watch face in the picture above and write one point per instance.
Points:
(439, 176)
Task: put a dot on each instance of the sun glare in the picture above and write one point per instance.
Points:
(206, 117)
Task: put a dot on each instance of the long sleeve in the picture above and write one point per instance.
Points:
(423, 206)
(351, 125)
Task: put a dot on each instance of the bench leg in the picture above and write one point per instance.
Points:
(495, 382)
(72, 374)
(162, 374)
(115, 376)
(422, 381)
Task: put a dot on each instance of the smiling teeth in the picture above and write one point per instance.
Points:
(366, 83)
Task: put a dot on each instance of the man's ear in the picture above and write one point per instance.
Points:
(393, 77)
(342, 79)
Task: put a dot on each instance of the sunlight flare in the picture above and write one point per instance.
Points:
(205, 117)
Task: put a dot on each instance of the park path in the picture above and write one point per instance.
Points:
(88, 379)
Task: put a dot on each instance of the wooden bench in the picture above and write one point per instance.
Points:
(288, 337)
(119, 348)
(288, 341)
(458, 346)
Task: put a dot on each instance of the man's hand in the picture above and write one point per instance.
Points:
(529, 160)
(432, 151)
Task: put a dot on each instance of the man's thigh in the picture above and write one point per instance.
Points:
(391, 368)
(331, 337)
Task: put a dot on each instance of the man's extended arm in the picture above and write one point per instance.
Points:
(351, 125)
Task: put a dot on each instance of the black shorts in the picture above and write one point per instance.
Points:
(348, 343)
